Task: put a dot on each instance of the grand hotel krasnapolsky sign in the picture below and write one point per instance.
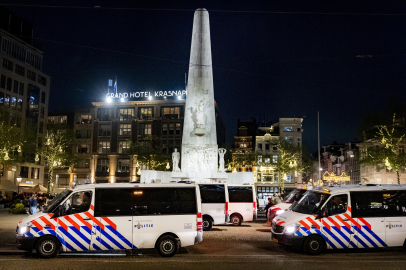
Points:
(147, 94)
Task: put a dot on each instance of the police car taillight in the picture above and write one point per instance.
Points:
(226, 210)
(255, 207)
(199, 222)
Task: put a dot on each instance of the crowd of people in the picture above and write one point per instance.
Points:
(32, 201)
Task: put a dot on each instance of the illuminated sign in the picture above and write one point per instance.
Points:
(332, 177)
(137, 192)
(147, 94)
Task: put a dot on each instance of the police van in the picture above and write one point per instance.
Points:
(242, 203)
(363, 216)
(215, 204)
(90, 218)
(293, 197)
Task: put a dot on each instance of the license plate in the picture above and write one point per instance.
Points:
(275, 240)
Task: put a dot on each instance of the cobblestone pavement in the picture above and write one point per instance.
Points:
(246, 247)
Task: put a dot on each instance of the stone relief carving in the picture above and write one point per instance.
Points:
(200, 158)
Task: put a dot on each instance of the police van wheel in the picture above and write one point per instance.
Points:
(47, 247)
(314, 245)
(167, 246)
(236, 220)
(207, 224)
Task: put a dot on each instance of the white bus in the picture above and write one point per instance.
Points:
(90, 218)
(242, 203)
(215, 204)
(363, 216)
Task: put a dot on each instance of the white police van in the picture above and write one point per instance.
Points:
(215, 204)
(90, 218)
(242, 203)
(367, 216)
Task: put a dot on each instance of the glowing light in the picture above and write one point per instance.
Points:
(19, 149)
(387, 164)
(108, 99)
(168, 166)
(149, 97)
(332, 177)
(122, 100)
(179, 97)
(139, 172)
(137, 192)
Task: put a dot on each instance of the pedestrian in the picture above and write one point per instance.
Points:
(269, 205)
(33, 204)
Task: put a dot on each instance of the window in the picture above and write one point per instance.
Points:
(164, 129)
(41, 127)
(123, 147)
(84, 119)
(79, 202)
(378, 203)
(83, 133)
(298, 129)
(21, 89)
(212, 193)
(24, 172)
(42, 80)
(3, 82)
(104, 114)
(34, 173)
(240, 194)
(63, 180)
(145, 113)
(20, 70)
(7, 64)
(84, 163)
(288, 129)
(267, 147)
(171, 128)
(9, 83)
(104, 130)
(274, 159)
(259, 159)
(113, 202)
(1, 98)
(102, 165)
(170, 113)
(126, 114)
(15, 87)
(104, 147)
(177, 128)
(260, 146)
(267, 160)
(42, 113)
(144, 129)
(20, 104)
(31, 75)
(7, 101)
(243, 145)
(43, 95)
(13, 102)
(125, 129)
(123, 165)
(83, 148)
(335, 206)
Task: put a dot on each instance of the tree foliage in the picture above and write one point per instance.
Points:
(149, 152)
(383, 149)
(10, 143)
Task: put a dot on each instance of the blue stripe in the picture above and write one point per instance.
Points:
(366, 237)
(87, 240)
(29, 234)
(375, 236)
(344, 236)
(51, 231)
(89, 231)
(114, 241)
(360, 241)
(326, 239)
(348, 230)
(298, 233)
(96, 247)
(305, 230)
(38, 231)
(103, 243)
(334, 237)
(122, 238)
(72, 238)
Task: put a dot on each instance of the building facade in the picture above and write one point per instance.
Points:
(24, 95)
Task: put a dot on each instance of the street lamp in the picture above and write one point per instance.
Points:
(19, 178)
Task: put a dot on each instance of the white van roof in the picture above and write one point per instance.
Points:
(128, 185)
(368, 187)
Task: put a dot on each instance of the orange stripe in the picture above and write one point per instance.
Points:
(110, 222)
(335, 223)
(46, 221)
(326, 225)
(63, 225)
(280, 223)
(92, 207)
(353, 221)
(365, 222)
(314, 223)
(36, 224)
(95, 220)
(343, 222)
(87, 224)
(72, 222)
(304, 224)
(349, 209)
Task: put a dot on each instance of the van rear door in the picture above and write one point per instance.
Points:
(394, 204)
(214, 202)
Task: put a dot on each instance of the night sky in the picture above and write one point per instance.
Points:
(272, 58)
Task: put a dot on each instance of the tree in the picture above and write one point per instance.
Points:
(10, 143)
(149, 152)
(289, 159)
(56, 150)
(383, 149)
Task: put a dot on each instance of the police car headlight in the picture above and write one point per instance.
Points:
(24, 228)
(279, 212)
(290, 229)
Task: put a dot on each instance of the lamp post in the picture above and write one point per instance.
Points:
(19, 178)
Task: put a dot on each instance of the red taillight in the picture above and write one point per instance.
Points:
(199, 224)
(255, 207)
(226, 210)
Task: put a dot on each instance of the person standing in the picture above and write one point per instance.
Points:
(33, 204)
(269, 205)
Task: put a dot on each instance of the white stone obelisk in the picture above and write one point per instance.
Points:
(199, 157)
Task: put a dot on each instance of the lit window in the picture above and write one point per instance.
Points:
(288, 129)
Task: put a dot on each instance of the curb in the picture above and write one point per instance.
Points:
(12, 252)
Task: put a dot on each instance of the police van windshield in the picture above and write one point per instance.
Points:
(55, 202)
(310, 203)
(294, 196)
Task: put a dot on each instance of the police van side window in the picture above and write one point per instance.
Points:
(240, 194)
(335, 206)
(164, 201)
(79, 202)
(212, 193)
(378, 203)
(113, 202)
